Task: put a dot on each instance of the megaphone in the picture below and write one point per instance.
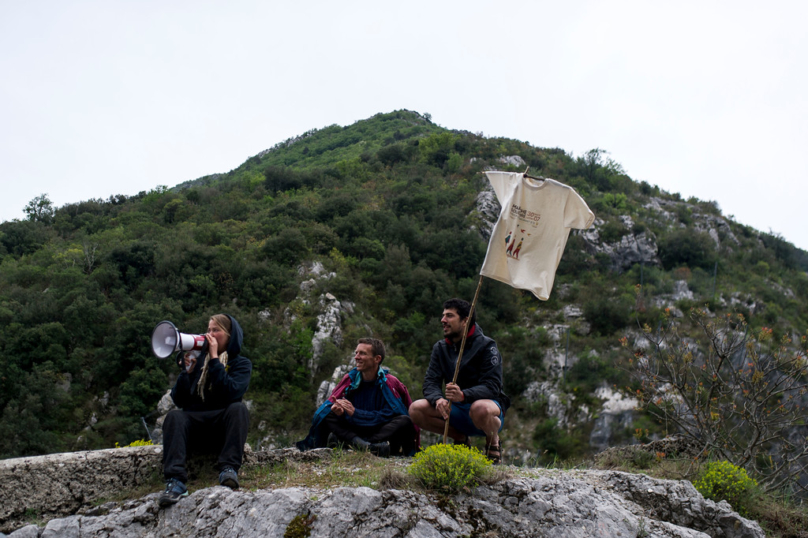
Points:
(166, 340)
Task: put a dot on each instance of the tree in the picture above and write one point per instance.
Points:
(40, 209)
(739, 396)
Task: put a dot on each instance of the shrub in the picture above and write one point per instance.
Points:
(732, 393)
(687, 247)
(139, 442)
(449, 468)
(723, 481)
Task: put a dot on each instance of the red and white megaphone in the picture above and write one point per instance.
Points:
(166, 340)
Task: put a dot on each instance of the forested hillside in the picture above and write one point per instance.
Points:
(391, 207)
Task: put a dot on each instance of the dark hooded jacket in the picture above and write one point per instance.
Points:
(225, 384)
(480, 376)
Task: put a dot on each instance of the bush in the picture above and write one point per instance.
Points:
(139, 442)
(449, 468)
(687, 247)
(723, 481)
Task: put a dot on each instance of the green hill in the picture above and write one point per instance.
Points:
(390, 206)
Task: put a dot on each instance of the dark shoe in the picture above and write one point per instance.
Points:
(175, 490)
(229, 477)
(360, 444)
(380, 449)
(332, 441)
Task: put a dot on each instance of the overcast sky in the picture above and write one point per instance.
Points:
(708, 99)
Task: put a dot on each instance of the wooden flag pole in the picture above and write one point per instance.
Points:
(460, 353)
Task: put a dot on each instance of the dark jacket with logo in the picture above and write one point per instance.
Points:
(225, 384)
(480, 376)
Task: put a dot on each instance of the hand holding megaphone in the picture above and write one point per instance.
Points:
(189, 361)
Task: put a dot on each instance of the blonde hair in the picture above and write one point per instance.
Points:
(223, 322)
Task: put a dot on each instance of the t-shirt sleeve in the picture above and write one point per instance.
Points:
(576, 213)
(500, 181)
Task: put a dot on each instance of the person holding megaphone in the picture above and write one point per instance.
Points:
(211, 415)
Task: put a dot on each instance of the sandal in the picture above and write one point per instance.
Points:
(494, 453)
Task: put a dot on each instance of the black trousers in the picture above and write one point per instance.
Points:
(223, 431)
(400, 432)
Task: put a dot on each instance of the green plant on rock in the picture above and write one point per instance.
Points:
(449, 468)
(723, 481)
(300, 526)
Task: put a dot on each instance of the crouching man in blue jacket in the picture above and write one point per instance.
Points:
(212, 417)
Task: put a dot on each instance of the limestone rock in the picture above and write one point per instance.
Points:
(487, 209)
(329, 329)
(606, 504)
(512, 160)
(629, 250)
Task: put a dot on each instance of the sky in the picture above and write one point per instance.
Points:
(707, 99)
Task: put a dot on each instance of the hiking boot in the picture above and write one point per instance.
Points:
(175, 490)
(377, 449)
(332, 441)
(380, 449)
(229, 477)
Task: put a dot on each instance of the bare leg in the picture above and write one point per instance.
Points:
(428, 418)
(485, 416)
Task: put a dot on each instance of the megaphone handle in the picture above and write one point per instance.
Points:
(181, 360)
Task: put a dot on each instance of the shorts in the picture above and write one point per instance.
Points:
(461, 420)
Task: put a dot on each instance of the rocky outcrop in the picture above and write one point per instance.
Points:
(330, 317)
(329, 329)
(549, 503)
(630, 249)
(486, 212)
(616, 414)
(61, 484)
(512, 160)
(677, 446)
(327, 386)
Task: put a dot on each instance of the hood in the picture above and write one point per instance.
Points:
(236, 338)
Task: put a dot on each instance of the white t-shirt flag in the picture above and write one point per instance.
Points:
(531, 233)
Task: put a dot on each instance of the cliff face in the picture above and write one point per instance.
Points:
(541, 503)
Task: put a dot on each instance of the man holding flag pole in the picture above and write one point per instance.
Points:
(478, 404)
(540, 212)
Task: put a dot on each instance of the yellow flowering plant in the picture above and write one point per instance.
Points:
(449, 468)
(723, 481)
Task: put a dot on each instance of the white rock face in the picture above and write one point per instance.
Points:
(630, 249)
(605, 504)
(558, 407)
(616, 413)
(329, 328)
(513, 160)
(327, 386)
(572, 311)
(680, 292)
(614, 402)
(487, 208)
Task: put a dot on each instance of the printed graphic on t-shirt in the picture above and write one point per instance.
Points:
(510, 251)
